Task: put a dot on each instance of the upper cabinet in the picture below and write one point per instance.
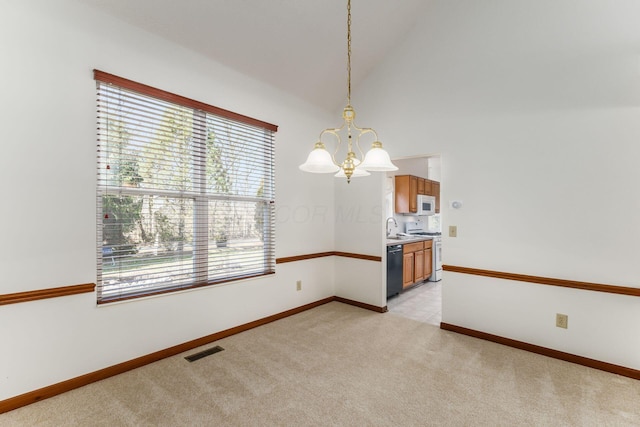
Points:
(406, 194)
(407, 189)
(435, 191)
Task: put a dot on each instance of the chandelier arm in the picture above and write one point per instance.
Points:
(369, 130)
(334, 133)
(364, 131)
(358, 145)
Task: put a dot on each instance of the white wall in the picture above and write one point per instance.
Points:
(418, 166)
(47, 171)
(534, 107)
(359, 229)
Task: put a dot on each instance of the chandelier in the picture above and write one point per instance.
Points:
(376, 159)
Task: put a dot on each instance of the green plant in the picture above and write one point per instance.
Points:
(221, 236)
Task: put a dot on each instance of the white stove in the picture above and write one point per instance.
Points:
(425, 233)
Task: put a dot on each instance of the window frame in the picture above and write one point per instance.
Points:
(198, 194)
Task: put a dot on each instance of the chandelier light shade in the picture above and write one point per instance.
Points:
(377, 159)
(322, 161)
(319, 161)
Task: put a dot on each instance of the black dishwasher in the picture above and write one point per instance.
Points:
(394, 270)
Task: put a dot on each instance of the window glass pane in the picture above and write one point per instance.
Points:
(147, 144)
(238, 158)
(147, 244)
(184, 197)
(237, 238)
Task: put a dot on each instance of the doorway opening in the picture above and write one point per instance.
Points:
(419, 298)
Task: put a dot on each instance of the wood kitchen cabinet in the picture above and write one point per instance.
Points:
(435, 191)
(416, 262)
(418, 266)
(428, 187)
(407, 189)
(406, 194)
(407, 270)
(428, 259)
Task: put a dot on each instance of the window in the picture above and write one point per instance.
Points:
(185, 192)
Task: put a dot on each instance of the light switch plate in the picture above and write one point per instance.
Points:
(453, 231)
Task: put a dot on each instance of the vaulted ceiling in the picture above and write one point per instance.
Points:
(502, 54)
(296, 45)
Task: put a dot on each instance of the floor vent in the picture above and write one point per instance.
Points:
(204, 353)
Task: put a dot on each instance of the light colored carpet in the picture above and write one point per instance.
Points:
(344, 366)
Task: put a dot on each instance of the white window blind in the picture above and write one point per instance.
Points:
(185, 192)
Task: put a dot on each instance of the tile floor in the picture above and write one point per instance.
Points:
(422, 302)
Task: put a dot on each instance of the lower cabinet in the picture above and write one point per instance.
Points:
(416, 262)
(418, 266)
(428, 260)
(407, 270)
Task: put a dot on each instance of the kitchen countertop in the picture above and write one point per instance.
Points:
(405, 240)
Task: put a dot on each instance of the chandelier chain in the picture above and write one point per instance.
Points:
(348, 52)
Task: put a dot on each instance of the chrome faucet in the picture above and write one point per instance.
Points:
(387, 225)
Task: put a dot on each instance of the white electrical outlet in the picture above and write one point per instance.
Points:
(299, 285)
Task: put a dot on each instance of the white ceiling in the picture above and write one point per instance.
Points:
(296, 45)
